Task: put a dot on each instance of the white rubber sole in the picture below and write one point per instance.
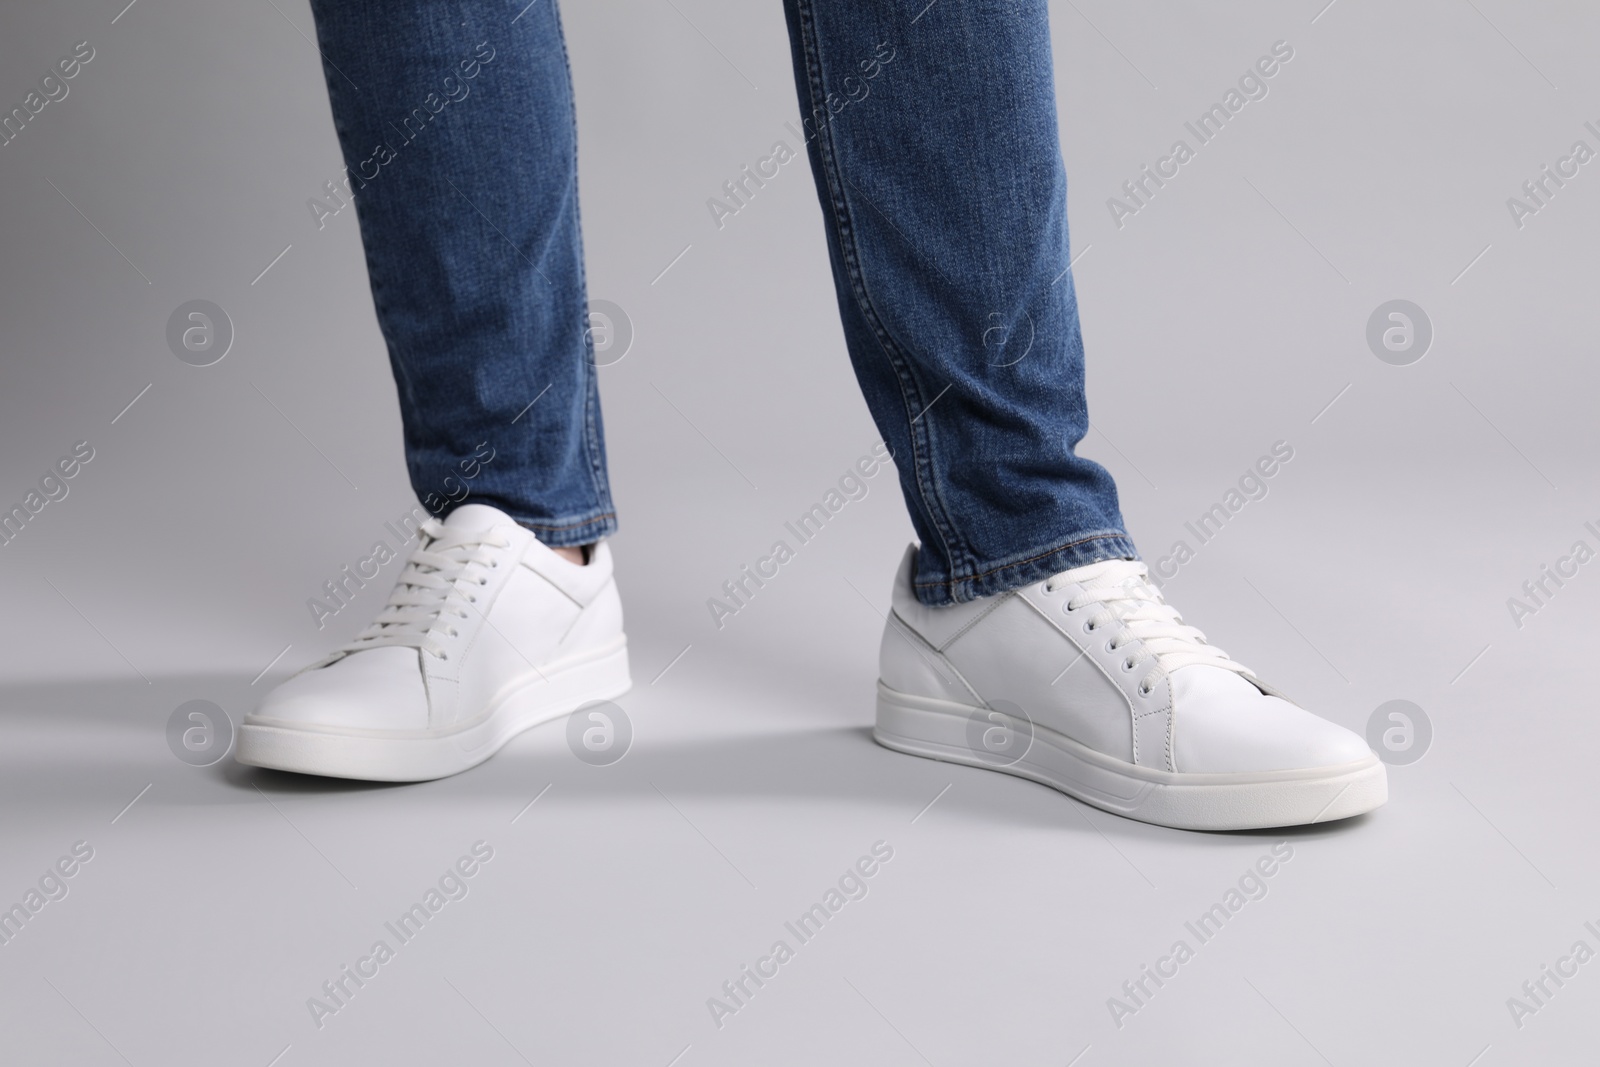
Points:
(422, 755)
(939, 729)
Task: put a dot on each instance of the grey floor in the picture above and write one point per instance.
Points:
(1228, 315)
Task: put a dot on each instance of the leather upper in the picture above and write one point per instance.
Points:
(1028, 647)
(526, 608)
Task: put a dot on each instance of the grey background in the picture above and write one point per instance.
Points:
(1225, 316)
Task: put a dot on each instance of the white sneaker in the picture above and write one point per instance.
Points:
(1091, 683)
(486, 633)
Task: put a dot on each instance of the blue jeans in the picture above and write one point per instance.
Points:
(932, 139)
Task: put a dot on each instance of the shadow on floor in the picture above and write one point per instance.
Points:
(99, 743)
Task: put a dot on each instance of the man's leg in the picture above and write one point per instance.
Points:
(459, 138)
(457, 126)
(1024, 635)
(933, 141)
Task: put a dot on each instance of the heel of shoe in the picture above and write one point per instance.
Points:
(923, 726)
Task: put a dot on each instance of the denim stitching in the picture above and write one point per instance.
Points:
(953, 580)
(601, 518)
(591, 374)
(903, 371)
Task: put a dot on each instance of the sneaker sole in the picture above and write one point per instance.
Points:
(388, 756)
(938, 729)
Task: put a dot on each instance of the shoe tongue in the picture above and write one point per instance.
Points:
(477, 517)
(1107, 572)
(1202, 681)
(1127, 574)
(1122, 574)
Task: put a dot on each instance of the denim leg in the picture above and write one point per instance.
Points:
(932, 137)
(460, 141)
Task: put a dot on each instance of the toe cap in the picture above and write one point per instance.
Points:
(1223, 724)
(379, 689)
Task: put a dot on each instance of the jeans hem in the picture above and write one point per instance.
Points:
(580, 531)
(1000, 577)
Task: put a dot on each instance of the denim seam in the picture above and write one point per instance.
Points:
(903, 370)
(953, 580)
(600, 517)
(591, 438)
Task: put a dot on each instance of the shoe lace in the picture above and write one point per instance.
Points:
(1151, 628)
(435, 588)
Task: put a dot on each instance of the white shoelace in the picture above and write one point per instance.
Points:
(436, 588)
(1151, 628)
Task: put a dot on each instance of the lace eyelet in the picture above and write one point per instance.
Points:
(1129, 664)
(1111, 647)
(1144, 692)
(483, 581)
(1089, 627)
(1047, 590)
